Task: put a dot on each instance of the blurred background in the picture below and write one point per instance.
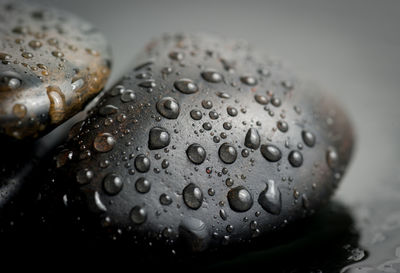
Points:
(351, 48)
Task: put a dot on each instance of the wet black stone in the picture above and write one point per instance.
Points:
(209, 182)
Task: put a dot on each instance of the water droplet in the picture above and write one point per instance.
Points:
(104, 142)
(127, 96)
(165, 164)
(158, 138)
(108, 110)
(168, 107)
(270, 198)
(195, 233)
(223, 95)
(19, 110)
(240, 199)
(112, 184)
(207, 104)
(229, 228)
(232, 111)
(84, 176)
(165, 199)
(271, 152)
(196, 153)
(117, 90)
(261, 99)
(276, 102)
(148, 84)
(57, 54)
(138, 215)
(35, 44)
(213, 115)
(196, 114)
(99, 204)
(245, 153)
(229, 182)
(308, 138)
(142, 163)
(57, 104)
(227, 125)
(222, 214)
(252, 139)
(5, 57)
(192, 196)
(9, 81)
(249, 80)
(227, 153)
(207, 126)
(27, 55)
(282, 126)
(295, 158)
(77, 84)
(212, 76)
(332, 157)
(176, 56)
(142, 185)
(186, 86)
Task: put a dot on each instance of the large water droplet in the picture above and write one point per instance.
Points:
(158, 138)
(112, 184)
(196, 114)
(227, 153)
(295, 158)
(270, 198)
(207, 104)
(142, 185)
(252, 139)
(192, 196)
(282, 126)
(84, 176)
(271, 152)
(232, 111)
(195, 233)
(240, 199)
(142, 163)
(308, 138)
(165, 199)
(261, 99)
(168, 107)
(138, 215)
(128, 96)
(186, 86)
(104, 142)
(57, 109)
(196, 153)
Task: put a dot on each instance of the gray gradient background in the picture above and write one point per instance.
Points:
(351, 48)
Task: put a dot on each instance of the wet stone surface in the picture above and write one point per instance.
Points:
(179, 149)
